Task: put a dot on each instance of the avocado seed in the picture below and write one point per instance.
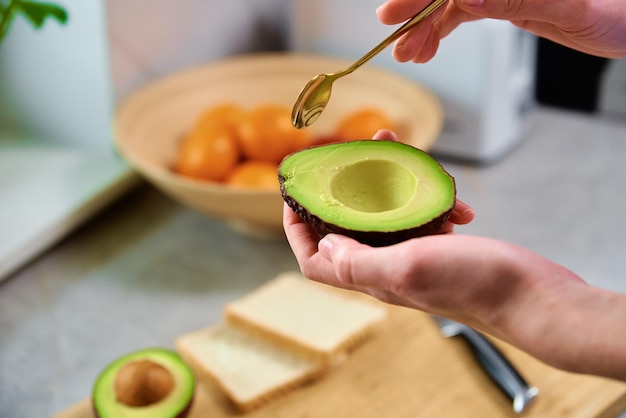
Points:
(142, 383)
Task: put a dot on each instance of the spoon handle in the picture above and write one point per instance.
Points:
(410, 24)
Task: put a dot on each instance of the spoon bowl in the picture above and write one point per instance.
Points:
(315, 95)
(312, 100)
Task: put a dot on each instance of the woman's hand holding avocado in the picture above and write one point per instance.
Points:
(493, 286)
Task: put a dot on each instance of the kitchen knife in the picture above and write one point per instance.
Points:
(493, 361)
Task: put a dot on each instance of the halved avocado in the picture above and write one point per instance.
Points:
(377, 192)
(149, 383)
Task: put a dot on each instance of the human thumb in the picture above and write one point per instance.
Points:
(327, 244)
(356, 264)
(546, 11)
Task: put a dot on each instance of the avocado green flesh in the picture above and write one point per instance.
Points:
(367, 186)
(173, 405)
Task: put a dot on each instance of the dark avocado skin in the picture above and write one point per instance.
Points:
(371, 238)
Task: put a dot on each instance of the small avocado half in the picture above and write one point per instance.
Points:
(149, 383)
(377, 192)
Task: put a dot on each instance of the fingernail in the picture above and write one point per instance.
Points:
(325, 246)
(472, 2)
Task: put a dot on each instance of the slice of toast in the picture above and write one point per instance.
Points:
(319, 321)
(249, 370)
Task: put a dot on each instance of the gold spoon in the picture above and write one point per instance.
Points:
(315, 95)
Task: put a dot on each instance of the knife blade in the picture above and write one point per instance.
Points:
(493, 362)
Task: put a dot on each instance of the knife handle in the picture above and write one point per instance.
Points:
(499, 369)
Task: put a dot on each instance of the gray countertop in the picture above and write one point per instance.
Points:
(146, 269)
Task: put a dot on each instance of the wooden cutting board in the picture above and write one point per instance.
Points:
(409, 370)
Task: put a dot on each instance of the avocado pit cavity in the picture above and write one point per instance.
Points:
(373, 186)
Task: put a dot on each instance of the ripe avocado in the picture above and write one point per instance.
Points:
(377, 192)
(149, 383)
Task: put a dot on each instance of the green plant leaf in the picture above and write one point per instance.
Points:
(37, 12)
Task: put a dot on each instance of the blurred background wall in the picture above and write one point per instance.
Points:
(149, 38)
(60, 84)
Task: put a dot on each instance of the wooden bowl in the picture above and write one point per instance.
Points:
(150, 122)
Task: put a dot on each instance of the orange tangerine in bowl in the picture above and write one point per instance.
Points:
(259, 175)
(363, 124)
(228, 114)
(208, 154)
(266, 133)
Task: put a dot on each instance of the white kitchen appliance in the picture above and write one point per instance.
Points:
(612, 94)
(483, 72)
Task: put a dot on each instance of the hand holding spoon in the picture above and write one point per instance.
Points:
(315, 95)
